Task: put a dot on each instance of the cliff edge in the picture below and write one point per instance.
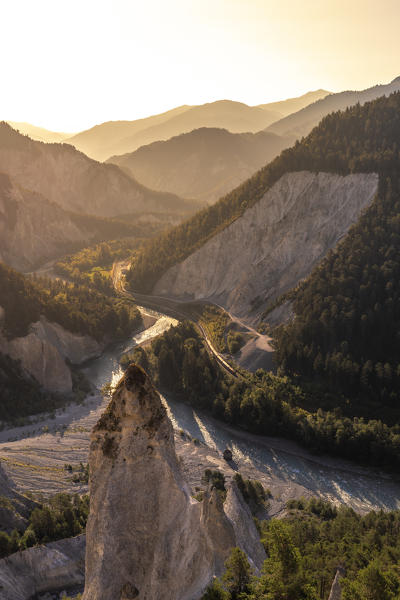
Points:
(274, 244)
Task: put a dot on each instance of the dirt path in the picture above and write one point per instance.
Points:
(258, 351)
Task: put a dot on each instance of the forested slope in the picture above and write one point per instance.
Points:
(77, 308)
(346, 334)
(264, 403)
(24, 384)
(361, 139)
(305, 549)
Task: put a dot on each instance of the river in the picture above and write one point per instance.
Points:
(34, 455)
(107, 369)
(280, 464)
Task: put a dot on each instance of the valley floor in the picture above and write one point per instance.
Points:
(35, 455)
(35, 459)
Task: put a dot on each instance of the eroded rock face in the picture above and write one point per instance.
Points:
(32, 229)
(14, 507)
(246, 534)
(147, 538)
(40, 359)
(336, 589)
(54, 567)
(43, 353)
(274, 244)
(76, 348)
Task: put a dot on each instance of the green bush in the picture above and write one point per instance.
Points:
(215, 478)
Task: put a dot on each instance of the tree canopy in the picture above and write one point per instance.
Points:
(76, 307)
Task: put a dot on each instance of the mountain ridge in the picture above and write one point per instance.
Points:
(205, 163)
(301, 123)
(39, 133)
(285, 107)
(78, 183)
(228, 114)
(102, 142)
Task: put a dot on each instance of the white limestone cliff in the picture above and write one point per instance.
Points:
(49, 568)
(43, 353)
(274, 244)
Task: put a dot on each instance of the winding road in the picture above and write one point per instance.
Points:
(174, 308)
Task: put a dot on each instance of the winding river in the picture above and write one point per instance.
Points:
(35, 454)
(284, 467)
(106, 368)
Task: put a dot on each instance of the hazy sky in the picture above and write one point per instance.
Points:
(68, 64)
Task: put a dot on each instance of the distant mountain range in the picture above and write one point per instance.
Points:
(234, 116)
(103, 140)
(200, 162)
(282, 108)
(291, 118)
(119, 137)
(77, 183)
(54, 198)
(300, 123)
(204, 164)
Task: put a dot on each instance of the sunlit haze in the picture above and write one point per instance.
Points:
(68, 65)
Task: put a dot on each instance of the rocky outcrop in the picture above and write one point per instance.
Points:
(336, 590)
(246, 534)
(76, 348)
(274, 244)
(44, 351)
(41, 360)
(54, 567)
(147, 538)
(14, 507)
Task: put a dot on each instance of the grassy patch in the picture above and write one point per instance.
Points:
(214, 321)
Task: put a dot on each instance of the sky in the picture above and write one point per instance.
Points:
(69, 64)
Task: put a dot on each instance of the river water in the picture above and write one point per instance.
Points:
(107, 369)
(281, 465)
